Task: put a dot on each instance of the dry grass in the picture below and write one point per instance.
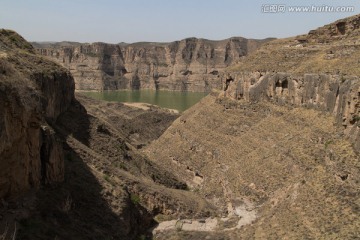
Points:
(275, 157)
(12, 40)
(287, 55)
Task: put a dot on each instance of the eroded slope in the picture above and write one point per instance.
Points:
(331, 49)
(289, 164)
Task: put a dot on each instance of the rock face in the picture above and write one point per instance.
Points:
(317, 70)
(188, 65)
(338, 95)
(33, 93)
(313, 70)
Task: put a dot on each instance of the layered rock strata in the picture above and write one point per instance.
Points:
(188, 65)
(336, 94)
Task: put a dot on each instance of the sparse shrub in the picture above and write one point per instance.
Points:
(179, 225)
(163, 65)
(196, 190)
(120, 165)
(106, 177)
(142, 237)
(13, 39)
(327, 143)
(135, 199)
(102, 129)
(356, 118)
(91, 54)
(162, 218)
(5, 68)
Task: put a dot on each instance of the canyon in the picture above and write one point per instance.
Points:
(271, 153)
(277, 145)
(188, 65)
(75, 161)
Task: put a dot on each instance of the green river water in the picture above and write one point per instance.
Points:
(166, 99)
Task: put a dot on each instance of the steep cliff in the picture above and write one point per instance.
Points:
(338, 95)
(105, 187)
(33, 93)
(277, 149)
(187, 65)
(318, 70)
(270, 156)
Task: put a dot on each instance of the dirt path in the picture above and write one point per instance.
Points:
(240, 216)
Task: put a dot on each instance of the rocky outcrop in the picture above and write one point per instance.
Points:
(313, 70)
(33, 93)
(336, 94)
(342, 28)
(188, 65)
(332, 49)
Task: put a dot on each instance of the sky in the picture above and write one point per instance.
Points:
(115, 21)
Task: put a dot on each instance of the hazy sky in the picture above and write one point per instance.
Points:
(160, 20)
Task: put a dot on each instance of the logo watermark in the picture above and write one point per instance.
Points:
(283, 8)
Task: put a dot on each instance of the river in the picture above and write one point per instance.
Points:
(166, 99)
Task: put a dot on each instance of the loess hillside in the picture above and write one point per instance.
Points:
(274, 154)
(277, 172)
(277, 149)
(331, 49)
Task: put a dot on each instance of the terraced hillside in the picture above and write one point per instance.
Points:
(289, 165)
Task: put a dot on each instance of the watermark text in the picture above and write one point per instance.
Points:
(283, 8)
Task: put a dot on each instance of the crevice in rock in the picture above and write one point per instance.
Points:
(186, 72)
(252, 81)
(342, 177)
(156, 83)
(197, 174)
(228, 80)
(284, 84)
(341, 27)
(124, 71)
(214, 72)
(278, 84)
(135, 83)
